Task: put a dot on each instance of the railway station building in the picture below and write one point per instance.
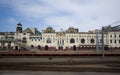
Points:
(70, 39)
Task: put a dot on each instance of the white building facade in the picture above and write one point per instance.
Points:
(70, 39)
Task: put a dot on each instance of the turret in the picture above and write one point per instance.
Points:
(19, 28)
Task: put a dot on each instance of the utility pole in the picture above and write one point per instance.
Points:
(97, 42)
(102, 42)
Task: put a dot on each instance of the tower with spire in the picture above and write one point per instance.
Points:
(19, 28)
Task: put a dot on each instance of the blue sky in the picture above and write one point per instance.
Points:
(82, 14)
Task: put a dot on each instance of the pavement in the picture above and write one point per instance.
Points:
(58, 59)
(109, 62)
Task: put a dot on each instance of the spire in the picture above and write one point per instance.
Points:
(19, 28)
(19, 24)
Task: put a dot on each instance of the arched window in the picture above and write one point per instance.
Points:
(72, 41)
(24, 40)
(48, 40)
(92, 41)
(82, 40)
(32, 46)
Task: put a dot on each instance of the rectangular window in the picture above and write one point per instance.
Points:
(111, 36)
(110, 41)
(115, 35)
(115, 41)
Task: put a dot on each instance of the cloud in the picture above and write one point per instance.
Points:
(86, 14)
(61, 22)
(83, 14)
(11, 20)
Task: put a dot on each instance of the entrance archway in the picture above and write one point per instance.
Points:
(46, 47)
(39, 47)
(16, 47)
(60, 47)
(74, 47)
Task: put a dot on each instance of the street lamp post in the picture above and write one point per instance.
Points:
(102, 42)
(97, 42)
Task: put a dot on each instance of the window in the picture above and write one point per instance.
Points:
(32, 46)
(115, 41)
(92, 41)
(63, 42)
(115, 35)
(40, 37)
(72, 41)
(82, 40)
(110, 41)
(48, 40)
(24, 40)
(100, 40)
(111, 36)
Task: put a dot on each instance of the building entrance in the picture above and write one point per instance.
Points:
(60, 44)
(74, 47)
(60, 47)
(16, 47)
(46, 47)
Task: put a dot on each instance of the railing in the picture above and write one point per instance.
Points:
(20, 43)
